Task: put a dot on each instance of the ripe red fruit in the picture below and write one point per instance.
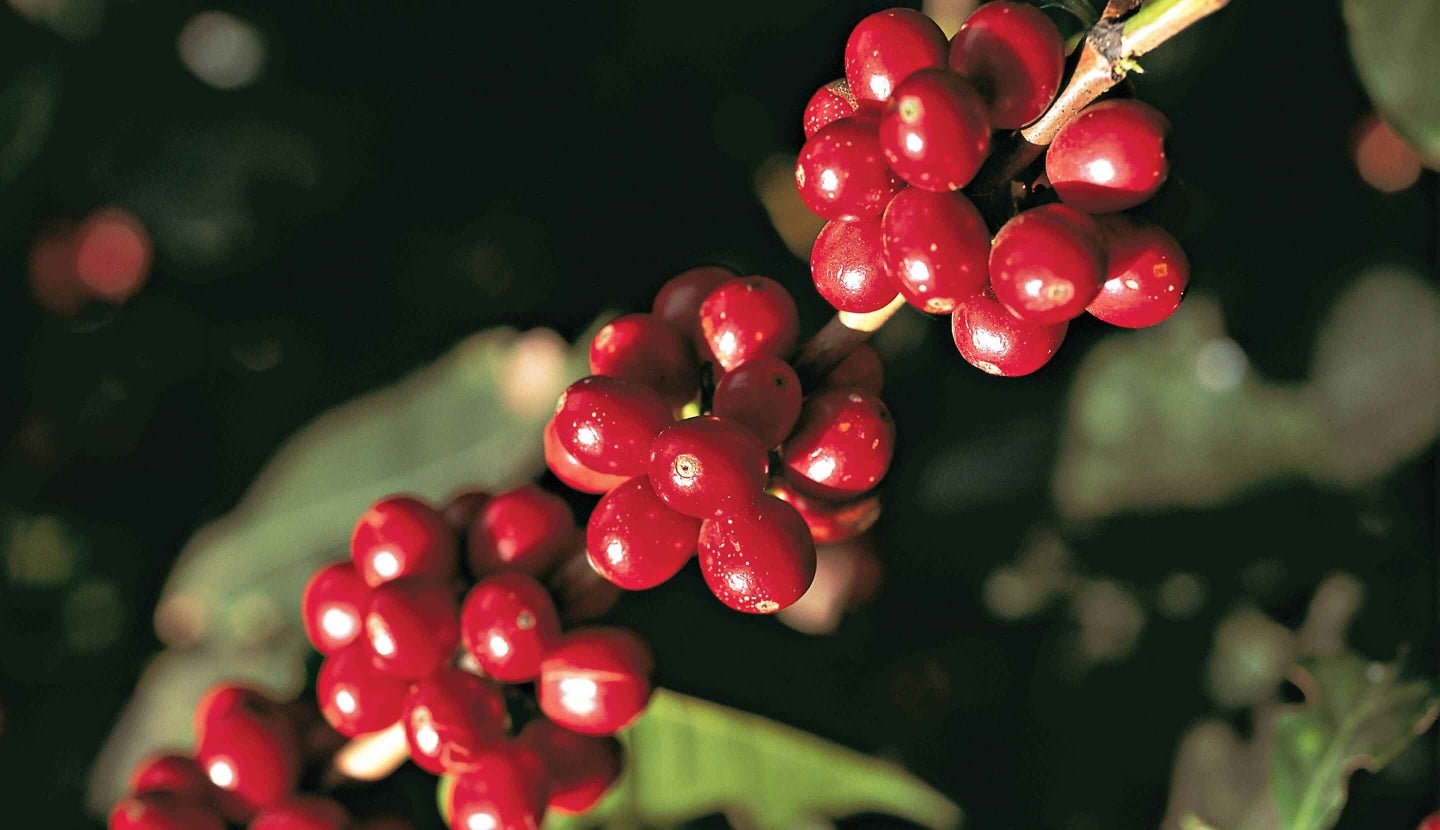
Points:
(763, 395)
(333, 605)
(1047, 264)
(829, 522)
(937, 247)
(1145, 275)
(402, 536)
(1109, 158)
(607, 424)
(568, 468)
(645, 349)
(303, 812)
(525, 529)
(887, 47)
(861, 369)
(992, 339)
(225, 698)
(848, 267)
(842, 445)
(1014, 56)
(253, 759)
(462, 508)
(841, 172)
(1430, 822)
(678, 300)
(411, 627)
(829, 104)
(635, 541)
(596, 681)
(508, 622)
(355, 696)
(505, 790)
(706, 466)
(748, 318)
(112, 254)
(171, 773)
(935, 133)
(163, 811)
(581, 767)
(758, 561)
(450, 718)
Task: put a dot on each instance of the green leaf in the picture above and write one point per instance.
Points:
(1393, 45)
(1358, 715)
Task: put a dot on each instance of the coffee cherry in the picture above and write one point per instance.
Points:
(841, 172)
(506, 789)
(635, 541)
(886, 47)
(861, 369)
(645, 349)
(759, 560)
(355, 696)
(303, 812)
(450, 718)
(1145, 275)
(163, 811)
(1110, 157)
(508, 623)
(848, 267)
(171, 773)
(608, 424)
(829, 522)
(596, 681)
(935, 133)
(1014, 56)
(402, 536)
(706, 466)
(525, 529)
(254, 760)
(462, 508)
(332, 606)
(581, 767)
(411, 627)
(937, 247)
(223, 699)
(1430, 822)
(1047, 264)
(748, 318)
(762, 395)
(112, 254)
(992, 339)
(842, 445)
(829, 104)
(678, 301)
(568, 468)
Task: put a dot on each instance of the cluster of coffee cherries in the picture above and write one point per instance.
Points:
(891, 146)
(695, 429)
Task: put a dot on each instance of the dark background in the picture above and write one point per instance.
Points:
(412, 172)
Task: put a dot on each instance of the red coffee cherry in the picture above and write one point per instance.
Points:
(225, 698)
(841, 172)
(581, 767)
(402, 536)
(1430, 822)
(253, 759)
(993, 340)
(706, 466)
(568, 468)
(842, 446)
(596, 681)
(635, 541)
(1145, 276)
(861, 369)
(848, 267)
(935, 133)
(333, 605)
(678, 301)
(163, 811)
(172, 773)
(412, 627)
(462, 508)
(645, 349)
(355, 696)
(506, 789)
(762, 395)
(112, 254)
(829, 522)
(303, 812)
(1047, 264)
(748, 318)
(760, 560)
(829, 104)
(937, 247)
(508, 623)
(450, 718)
(525, 529)
(607, 424)
(887, 47)
(1109, 158)
(1014, 56)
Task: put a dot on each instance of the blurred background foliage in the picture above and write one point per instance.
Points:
(1086, 572)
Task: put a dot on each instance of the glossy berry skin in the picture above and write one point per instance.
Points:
(829, 522)
(333, 606)
(254, 760)
(842, 446)
(829, 104)
(412, 627)
(678, 300)
(758, 561)
(462, 508)
(525, 529)
(1146, 273)
(645, 349)
(505, 790)
(355, 697)
(842, 174)
(450, 718)
(1047, 264)
(937, 247)
(887, 47)
(762, 395)
(706, 466)
(993, 340)
(581, 767)
(596, 681)
(748, 318)
(171, 773)
(861, 369)
(402, 536)
(848, 266)
(163, 811)
(635, 541)
(1109, 158)
(1014, 56)
(568, 468)
(304, 812)
(607, 424)
(508, 623)
(224, 699)
(1430, 822)
(935, 133)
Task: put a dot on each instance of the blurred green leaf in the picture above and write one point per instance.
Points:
(1393, 45)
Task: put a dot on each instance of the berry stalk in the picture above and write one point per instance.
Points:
(830, 345)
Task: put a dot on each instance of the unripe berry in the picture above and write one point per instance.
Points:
(763, 395)
(842, 446)
(635, 541)
(402, 536)
(253, 759)
(411, 627)
(171, 773)
(1047, 264)
(581, 767)
(678, 301)
(450, 718)
(1109, 158)
(355, 696)
(861, 369)
(505, 790)
(1014, 56)
(992, 339)
(568, 468)
(847, 264)
(841, 172)
(829, 104)
(508, 623)
(333, 606)
(596, 681)
(887, 47)
(163, 811)
(759, 560)
(525, 529)
(829, 522)
(706, 466)
(937, 247)
(748, 318)
(303, 812)
(1146, 274)
(646, 350)
(935, 133)
(607, 424)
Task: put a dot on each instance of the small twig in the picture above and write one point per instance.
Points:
(823, 352)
